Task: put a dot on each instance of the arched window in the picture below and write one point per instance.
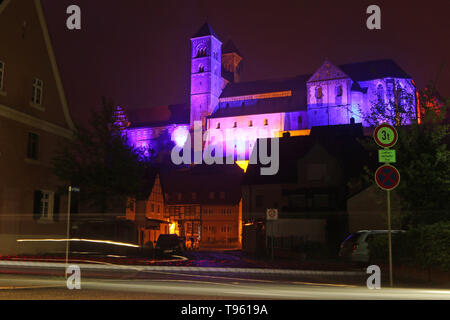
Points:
(380, 92)
(201, 69)
(319, 93)
(201, 52)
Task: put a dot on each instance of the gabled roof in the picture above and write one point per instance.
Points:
(377, 69)
(340, 142)
(205, 30)
(202, 180)
(230, 47)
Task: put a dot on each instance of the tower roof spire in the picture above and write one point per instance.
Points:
(205, 30)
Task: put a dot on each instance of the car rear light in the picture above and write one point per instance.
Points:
(355, 246)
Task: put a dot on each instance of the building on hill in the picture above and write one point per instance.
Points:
(245, 111)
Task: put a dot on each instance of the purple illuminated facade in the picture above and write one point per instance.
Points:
(333, 95)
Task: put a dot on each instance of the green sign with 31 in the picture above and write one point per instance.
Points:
(385, 135)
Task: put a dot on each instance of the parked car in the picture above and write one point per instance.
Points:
(355, 247)
(169, 244)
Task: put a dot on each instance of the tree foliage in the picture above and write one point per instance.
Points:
(423, 157)
(100, 161)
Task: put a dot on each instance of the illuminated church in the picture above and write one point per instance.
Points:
(333, 95)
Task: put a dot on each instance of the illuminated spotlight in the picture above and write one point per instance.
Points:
(180, 135)
(81, 240)
(243, 164)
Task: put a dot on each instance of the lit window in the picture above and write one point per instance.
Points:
(250, 123)
(218, 125)
(2, 73)
(33, 146)
(36, 96)
(266, 122)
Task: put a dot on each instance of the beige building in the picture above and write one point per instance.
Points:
(34, 119)
(149, 215)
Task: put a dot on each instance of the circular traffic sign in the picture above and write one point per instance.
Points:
(385, 135)
(387, 177)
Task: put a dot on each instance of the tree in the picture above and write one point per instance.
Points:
(102, 163)
(423, 157)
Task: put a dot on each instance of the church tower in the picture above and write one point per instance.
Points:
(206, 73)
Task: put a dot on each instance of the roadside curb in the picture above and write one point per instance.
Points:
(111, 267)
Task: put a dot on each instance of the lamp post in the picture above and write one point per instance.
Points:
(71, 189)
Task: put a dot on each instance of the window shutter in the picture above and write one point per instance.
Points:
(37, 205)
(56, 201)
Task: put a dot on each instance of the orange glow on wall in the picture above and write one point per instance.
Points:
(295, 133)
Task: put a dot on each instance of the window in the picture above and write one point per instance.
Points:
(339, 91)
(235, 125)
(194, 196)
(218, 125)
(211, 195)
(2, 73)
(319, 93)
(266, 122)
(158, 209)
(178, 196)
(222, 195)
(46, 205)
(250, 123)
(300, 122)
(201, 69)
(380, 92)
(152, 207)
(36, 96)
(201, 52)
(33, 146)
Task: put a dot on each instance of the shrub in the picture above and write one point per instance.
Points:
(424, 246)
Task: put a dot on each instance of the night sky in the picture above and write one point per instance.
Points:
(137, 51)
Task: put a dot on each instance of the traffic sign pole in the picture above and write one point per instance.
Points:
(391, 279)
(387, 177)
